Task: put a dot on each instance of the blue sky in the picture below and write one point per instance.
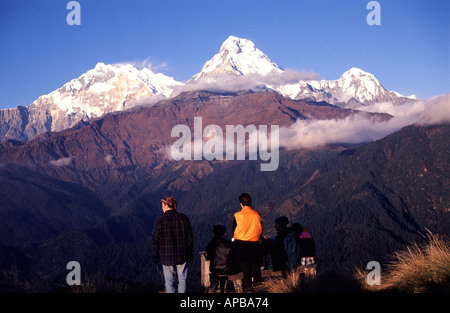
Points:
(39, 52)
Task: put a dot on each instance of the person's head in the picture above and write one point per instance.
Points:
(168, 203)
(297, 227)
(219, 230)
(281, 222)
(245, 199)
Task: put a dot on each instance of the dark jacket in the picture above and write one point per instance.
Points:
(172, 238)
(285, 250)
(307, 245)
(222, 259)
(292, 246)
(279, 255)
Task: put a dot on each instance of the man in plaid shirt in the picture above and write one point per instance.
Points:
(172, 241)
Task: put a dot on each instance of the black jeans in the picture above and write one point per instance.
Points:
(249, 255)
(250, 271)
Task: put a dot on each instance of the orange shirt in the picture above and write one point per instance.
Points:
(248, 225)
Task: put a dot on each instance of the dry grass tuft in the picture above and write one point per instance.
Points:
(85, 287)
(418, 269)
(294, 282)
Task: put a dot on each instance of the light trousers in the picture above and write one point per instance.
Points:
(169, 277)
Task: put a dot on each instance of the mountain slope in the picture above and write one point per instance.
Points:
(116, 155)
(387, 192)
(136, 136)
(360, 204)
(92, 193)
(35, 207)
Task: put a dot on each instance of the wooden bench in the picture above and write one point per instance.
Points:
(307, 270)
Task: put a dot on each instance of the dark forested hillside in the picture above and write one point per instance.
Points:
(378, 197)
(360, 203)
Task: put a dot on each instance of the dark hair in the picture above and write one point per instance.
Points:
(283, 221)
(297, 227)
(219, 230)
(245, 199)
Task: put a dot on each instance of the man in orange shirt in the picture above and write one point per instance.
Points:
(247, 228)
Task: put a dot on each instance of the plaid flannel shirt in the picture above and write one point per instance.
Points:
(172, 238)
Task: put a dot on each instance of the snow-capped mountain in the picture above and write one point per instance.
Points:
(238, 56)
(238, 65)
(107, 88)
(101, 90)
(354, 88)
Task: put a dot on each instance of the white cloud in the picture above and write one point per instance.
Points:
(360, 128)
(141, 64)
(231, 83)
(352, 129)
(109, 158)
(61, 162)
(436, 111)
(146, 101)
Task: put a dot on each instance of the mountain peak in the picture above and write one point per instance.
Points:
(238, 56)
(237, 45)
(357, 73)
(361, 85)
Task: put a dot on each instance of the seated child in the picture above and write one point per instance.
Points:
(219, 252)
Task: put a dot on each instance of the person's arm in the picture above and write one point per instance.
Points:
(189, 241)
(155, 243)
(234, 224)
